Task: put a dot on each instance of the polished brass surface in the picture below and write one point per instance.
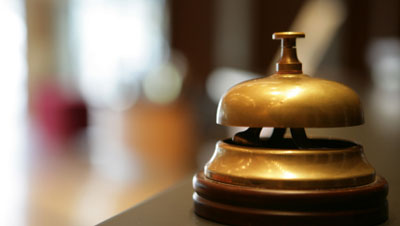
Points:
(290, 100)
(281, 168)
(289, 168)
(288, 34)
(288, 63)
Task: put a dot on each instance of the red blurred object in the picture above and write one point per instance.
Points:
(59, 114)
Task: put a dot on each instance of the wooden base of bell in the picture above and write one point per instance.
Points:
(242, 205)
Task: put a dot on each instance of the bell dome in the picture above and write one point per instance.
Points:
(289, 98)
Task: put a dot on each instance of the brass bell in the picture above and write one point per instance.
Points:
(289, 180)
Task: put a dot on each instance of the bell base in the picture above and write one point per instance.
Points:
(243, 205)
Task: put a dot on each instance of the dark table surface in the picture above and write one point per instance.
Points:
(171, 207)
(175, 207)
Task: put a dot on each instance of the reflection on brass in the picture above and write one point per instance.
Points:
(290, 98)
(289, 168)
(249, 137)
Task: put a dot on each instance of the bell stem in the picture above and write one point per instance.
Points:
(288, 62)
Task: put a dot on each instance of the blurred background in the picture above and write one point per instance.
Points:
(105, 103)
